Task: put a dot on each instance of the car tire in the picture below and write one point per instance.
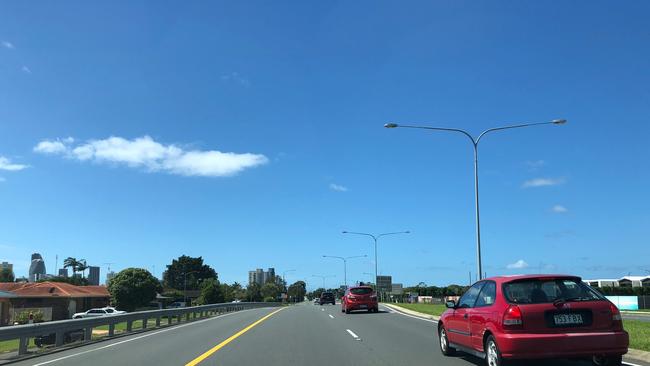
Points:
(342, 310)
(444, 342)
(607, 360)
(492, 353)
(347, 311)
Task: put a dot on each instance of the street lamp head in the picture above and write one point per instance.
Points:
(391, 125)
(559, 121)
(344, 232)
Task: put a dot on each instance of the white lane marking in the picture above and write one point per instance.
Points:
(352, 334)
(416, 317)
(331, 316)
(136, 338)
(630, 364)
(322, 309)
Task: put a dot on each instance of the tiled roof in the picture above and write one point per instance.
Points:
(53, 289)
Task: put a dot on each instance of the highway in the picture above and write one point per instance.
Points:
(304, 334)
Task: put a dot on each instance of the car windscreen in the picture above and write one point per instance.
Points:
(361, 291)
(540, 291)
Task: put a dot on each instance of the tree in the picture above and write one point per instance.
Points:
(174, 276)
(253, 293)
(297, 291)
(7, 275)
(74, 280)
(270, 290)
(82, 266)
(72, 263)
(133, 288)
(211, 293)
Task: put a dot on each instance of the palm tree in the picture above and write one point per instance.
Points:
(82, 267)
(72, 263)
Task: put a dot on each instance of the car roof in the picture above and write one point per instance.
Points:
(510, 278)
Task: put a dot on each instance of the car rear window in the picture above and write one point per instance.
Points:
(327, 294)
(540, 291)
(360, 291)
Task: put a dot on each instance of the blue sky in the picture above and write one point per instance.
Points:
(251, 134)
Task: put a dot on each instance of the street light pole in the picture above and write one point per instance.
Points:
(345, 265)
(375, 238)
(475, 142)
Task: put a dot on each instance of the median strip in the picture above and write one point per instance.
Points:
(219, 346)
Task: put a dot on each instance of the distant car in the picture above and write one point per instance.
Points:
(178, 304)
(533, 316)
(92, 313)
(236, 301)
(317, 301)
(68, 337)
(359, 298)
(327, 298)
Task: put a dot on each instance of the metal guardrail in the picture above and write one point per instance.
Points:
(60, 327)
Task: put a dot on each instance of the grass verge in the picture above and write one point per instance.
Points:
(639, 334)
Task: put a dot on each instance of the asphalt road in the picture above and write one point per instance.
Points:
(644, 317)
(298, 335)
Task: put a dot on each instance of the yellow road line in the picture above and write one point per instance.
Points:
(219, 346)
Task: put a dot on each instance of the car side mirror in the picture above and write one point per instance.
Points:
(450, 304)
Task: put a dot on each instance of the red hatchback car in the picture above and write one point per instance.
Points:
(359, 298)
(533, 316)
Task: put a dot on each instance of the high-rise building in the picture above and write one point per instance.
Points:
(109, 277)
(63, 272)
(269, 276)
(36, 268)
(260, 276)
(93, 275)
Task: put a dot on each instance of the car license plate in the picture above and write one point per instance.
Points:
(567, 319)
(363, 306)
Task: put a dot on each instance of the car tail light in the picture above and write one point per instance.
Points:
(616, 316)
(512, 319)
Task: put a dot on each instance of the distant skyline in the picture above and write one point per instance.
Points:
(251, 134)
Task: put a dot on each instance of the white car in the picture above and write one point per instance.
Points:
(106, 311)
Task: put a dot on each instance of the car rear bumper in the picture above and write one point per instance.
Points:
(563, 345)
(361, 305)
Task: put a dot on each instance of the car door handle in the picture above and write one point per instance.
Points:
(465, 316)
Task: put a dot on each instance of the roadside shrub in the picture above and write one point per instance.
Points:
(23, 316)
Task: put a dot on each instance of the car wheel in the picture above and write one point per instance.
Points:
(607, 360)
(492, 352)
(444, 342)
(347, 311)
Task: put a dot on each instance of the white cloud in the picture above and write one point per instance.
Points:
(53, 146)
(338, 187)
(144, 152)
(26, 69)
(6, 164)
(542, 182)
(559, 209)
(520, 264)
(7, 44)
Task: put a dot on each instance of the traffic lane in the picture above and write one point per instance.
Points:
(475, 361)
(640, 317)
(175, 345)
(300, 335)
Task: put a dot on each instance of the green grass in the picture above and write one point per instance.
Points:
(639, 334)
(431, 309)
(121, 327)
(12, 345)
